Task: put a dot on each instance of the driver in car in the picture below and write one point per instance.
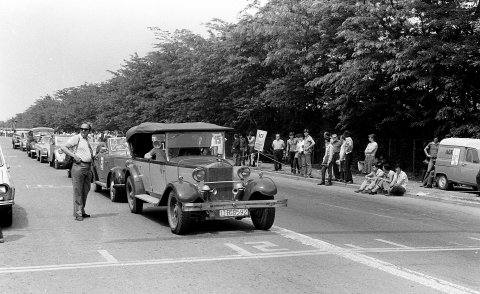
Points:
(157, 153)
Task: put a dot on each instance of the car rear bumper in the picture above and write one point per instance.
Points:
(209, 206)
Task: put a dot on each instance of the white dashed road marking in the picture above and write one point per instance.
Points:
(108, 257)
(238, 249)
(392, 243)
(473, 238)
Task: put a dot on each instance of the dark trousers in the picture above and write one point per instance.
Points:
(336, 171)
(236, 158)
(277, 156)
(81, 181)
(293, 162)
(348, 165)
(397, 191)
(325, 169)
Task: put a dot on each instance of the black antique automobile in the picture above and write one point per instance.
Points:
(109, 167)
(183, 166)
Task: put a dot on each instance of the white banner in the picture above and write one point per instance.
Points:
(260, 140)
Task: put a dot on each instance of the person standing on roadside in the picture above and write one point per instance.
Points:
(243, 149)
(82, 155)
(370, 152)
(327, 161)
(308, 149)
(291, 151)
(251, 149)
(236, 150)
(348, 157)
(300, 155)
(278, 146)
(431, 151)
(342, 158)
(336, 145)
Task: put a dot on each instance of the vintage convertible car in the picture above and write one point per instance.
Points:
(109, 167)
(56, 157)
(42, 148)
(7, 193)
(191, 176)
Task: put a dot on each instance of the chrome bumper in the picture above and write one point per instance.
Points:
(207, 206)
(7, 203)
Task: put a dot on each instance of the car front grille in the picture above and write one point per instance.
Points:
(220, 172)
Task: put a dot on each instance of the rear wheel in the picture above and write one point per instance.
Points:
(443, 183)
(6, 216)
(136, 205)
(263, 218)
(178, 219)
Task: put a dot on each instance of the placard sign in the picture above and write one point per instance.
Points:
(455, 156)
(260, 140)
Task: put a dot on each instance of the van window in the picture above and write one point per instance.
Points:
(472, 156)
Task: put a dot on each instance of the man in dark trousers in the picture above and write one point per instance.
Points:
(78, 147)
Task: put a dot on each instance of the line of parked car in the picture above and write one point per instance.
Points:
(186, 170)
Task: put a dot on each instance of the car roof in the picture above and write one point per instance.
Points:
(152, 128)
(464, 142)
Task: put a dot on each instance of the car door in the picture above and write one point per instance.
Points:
(469, 167)
(157, 173)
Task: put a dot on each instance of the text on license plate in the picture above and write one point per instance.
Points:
(233, 212)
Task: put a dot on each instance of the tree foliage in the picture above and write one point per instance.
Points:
(396, 67)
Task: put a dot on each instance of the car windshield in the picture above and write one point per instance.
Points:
(195, 143)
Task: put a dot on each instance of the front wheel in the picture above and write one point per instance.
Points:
(178, 219)
(442, 182)
(135, 204)
(6, 216)
(263, 218)
(114, 193)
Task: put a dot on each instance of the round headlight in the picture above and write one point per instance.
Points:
(3, 189)
(243, 172)
(198, 174)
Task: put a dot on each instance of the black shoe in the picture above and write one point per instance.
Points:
(321, 183)
(358, 191)
(85, 215)
(373, 193)
(79, 218)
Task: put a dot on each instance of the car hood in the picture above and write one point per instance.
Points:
(197, 161)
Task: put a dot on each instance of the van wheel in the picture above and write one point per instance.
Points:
(443, 183)
(178, 219)
(135, 204)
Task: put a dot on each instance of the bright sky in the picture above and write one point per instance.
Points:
(48, 45)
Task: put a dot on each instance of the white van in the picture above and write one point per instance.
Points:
(457, 162)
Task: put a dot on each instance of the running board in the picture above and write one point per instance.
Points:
(104, 185)
(148, 198)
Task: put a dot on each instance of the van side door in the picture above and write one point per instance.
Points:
(470, 165)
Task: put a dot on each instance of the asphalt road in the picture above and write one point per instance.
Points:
(328, 240)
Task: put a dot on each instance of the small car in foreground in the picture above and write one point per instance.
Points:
(186, 171)
(109, 167)
(7, 193)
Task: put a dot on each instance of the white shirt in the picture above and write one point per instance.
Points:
(400, 179)
(83, 150)
(371, 148)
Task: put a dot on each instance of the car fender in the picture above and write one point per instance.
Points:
(264, 186)
(118, 174)
(132, 171)
(186, 192)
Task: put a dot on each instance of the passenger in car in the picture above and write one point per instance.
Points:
(156, 153)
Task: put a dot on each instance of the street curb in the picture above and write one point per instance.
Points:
(453, 200)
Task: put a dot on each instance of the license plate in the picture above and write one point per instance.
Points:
(233, 212)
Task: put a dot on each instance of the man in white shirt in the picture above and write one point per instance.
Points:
(80, 150)
(348, 157)
(308, 143)
(398, 186)
(371, 180)
(278, 146)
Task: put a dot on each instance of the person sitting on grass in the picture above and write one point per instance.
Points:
(398, 186)
(371, 180)
(384, 182)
